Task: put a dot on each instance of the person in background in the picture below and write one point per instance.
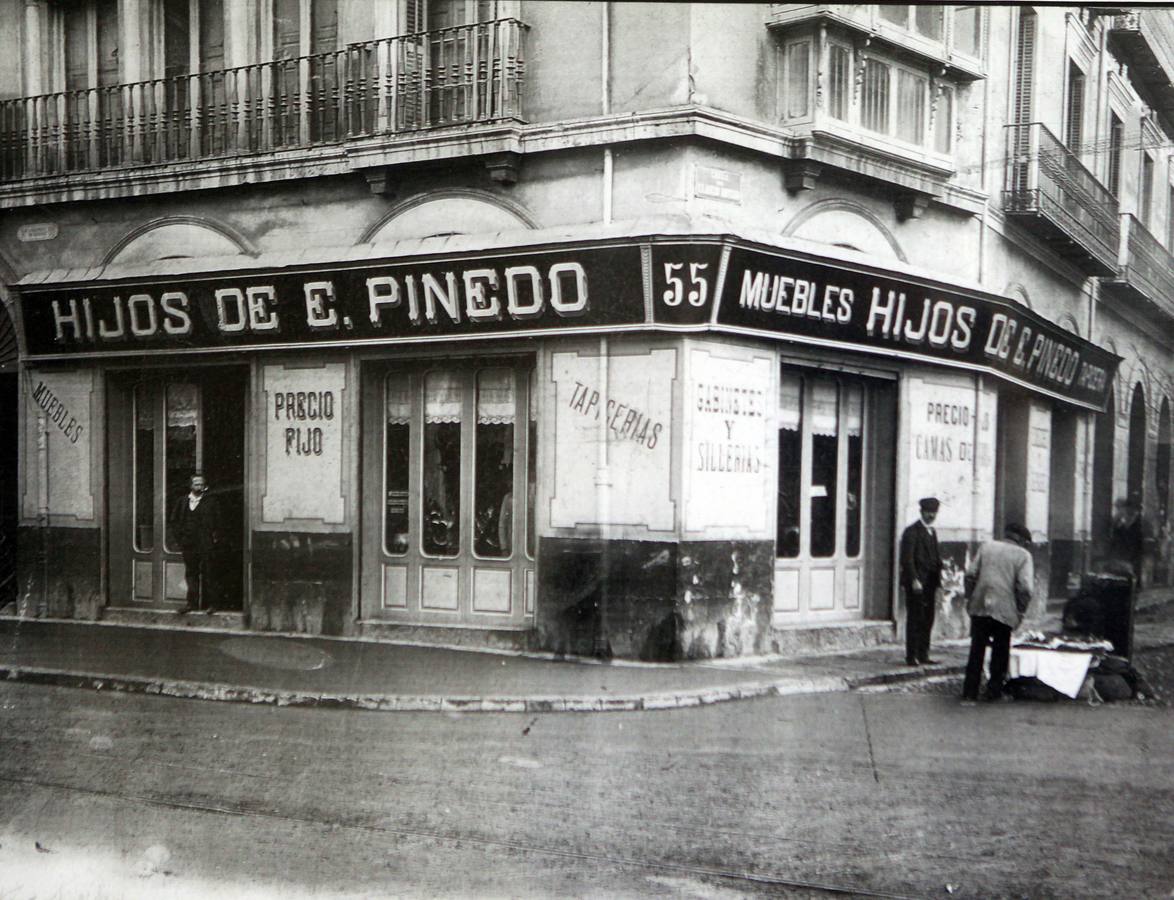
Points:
(196, 526)
(1127, 536)
(921, 575)
(998, 585)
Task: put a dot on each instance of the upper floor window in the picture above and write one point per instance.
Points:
(968, 30)
(1145, 199)
(879, 95)
(923, 18)
(1075, 114)
(1116, 142)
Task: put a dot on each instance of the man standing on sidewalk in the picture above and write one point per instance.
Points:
(921, 574)
(197, 530)
(998, 583)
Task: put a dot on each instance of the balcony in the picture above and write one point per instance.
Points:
(1050, 192)
(1147, 268)
(942, 44)
(1144, 39)
(461, 76)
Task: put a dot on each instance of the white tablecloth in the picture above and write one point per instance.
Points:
(1061, 669)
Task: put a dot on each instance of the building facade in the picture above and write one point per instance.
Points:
(612, 328)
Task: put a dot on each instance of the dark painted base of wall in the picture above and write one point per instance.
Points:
(302, 583)
(654, 600)
(59, 572)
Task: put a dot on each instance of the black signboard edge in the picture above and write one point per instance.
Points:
(325, 267)
(906, 357)
(350, 344)
(921, 281)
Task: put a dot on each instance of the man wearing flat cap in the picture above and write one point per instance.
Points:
(921, 575)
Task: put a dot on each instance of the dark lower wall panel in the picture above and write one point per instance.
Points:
(726, 592)
(302, 583)
(654, 600)
(59, 571)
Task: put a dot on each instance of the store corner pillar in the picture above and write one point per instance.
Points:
(302, 545)
(948, 422)
(658, 544)
(59, 555)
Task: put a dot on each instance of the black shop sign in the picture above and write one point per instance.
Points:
(825, 303)
(380, 301)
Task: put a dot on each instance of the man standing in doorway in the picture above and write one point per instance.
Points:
(998, 583)
(197, 531)
(921, 575)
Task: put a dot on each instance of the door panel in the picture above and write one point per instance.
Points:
(824, 509)
(446, 541)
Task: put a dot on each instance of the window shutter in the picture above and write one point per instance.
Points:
(1116, 133)
(1075, 108)
(1024, 67)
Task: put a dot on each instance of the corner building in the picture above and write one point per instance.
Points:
(631, 329)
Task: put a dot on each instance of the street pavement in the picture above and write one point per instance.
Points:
(302, 671)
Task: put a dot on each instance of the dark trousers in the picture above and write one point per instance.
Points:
(985, 630)
(919, 613)
(196, 570)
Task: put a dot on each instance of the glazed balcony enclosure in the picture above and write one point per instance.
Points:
(1147, 268)
(464, 75)
(1049, 190)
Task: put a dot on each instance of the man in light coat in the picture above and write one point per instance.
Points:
(998, 583)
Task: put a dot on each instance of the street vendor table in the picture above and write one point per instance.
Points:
(1063, 670)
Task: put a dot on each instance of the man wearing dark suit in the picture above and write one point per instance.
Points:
(921, 575)
(196, 526)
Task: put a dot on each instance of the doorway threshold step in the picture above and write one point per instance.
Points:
(514, 639)
(837, 637)
(162, 618)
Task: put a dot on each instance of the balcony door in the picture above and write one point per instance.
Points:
(449, 455)
(164, 426)
(834, 502)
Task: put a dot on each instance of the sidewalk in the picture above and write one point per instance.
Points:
(298, 671)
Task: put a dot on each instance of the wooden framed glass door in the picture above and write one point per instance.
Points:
(449, 475)
(163, 428)
(823, 504)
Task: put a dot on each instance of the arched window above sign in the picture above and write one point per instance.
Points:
(463, 212)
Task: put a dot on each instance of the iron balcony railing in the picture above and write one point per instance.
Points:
(1046, 180)
(467, 74)
(1146, 266)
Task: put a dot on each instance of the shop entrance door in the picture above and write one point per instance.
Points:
(163, 428)
(449, 458)
(834, 498)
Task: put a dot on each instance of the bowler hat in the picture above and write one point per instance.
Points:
(929, 504)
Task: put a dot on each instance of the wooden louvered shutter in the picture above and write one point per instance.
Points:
(1024, 67)
(1073, 133)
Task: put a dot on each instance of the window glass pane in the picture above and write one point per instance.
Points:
(493, 500)
(798, 67)
(927, 19)
(898, 14)
(910, 107)
(397, 454)
(874, 106)
(968, 30)
(854, 425)
(943, 125)
(839, 81)
(442, 464)
(790, 419)
(182, 444)
(532, 468)
(824, 415)
(144, 462)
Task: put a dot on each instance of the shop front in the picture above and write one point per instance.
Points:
(653, 446)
